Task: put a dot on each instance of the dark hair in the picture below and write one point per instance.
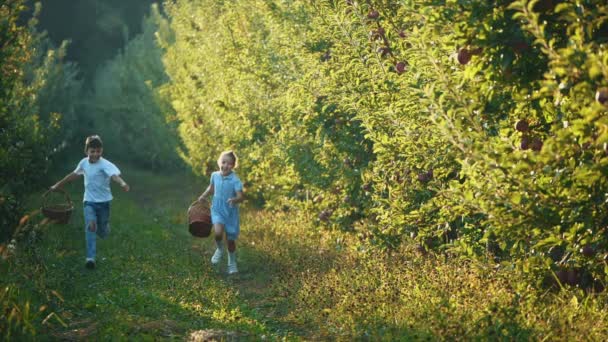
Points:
(230, 154)
(93, 141)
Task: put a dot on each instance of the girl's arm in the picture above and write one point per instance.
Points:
(68, 178)
(209, 191)
(238, 199)
(122, 183)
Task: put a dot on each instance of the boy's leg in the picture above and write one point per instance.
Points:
(103, 219)
(90, 228)
(218, 229)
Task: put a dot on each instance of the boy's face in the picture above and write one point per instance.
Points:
(94, 153)
(226, 165)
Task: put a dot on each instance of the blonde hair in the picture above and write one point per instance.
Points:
(230, 154)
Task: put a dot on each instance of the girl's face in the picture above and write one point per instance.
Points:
(94, 154)
(226, 165)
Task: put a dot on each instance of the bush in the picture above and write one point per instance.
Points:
(472, 126)
(32, 77)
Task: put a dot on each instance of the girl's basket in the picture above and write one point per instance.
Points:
(60, 212)
(199, 219)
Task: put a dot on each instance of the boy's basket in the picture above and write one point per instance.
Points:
(59, 212)
(199, 219)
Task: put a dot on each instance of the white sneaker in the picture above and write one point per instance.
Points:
(232, 265)
(217, 256)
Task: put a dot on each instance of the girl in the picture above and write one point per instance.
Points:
(227, 191)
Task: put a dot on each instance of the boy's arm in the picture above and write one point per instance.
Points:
(121, 182)
(68, 178)
(209, 191)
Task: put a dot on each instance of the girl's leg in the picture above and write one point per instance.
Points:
(218, 229)
(231, 246)
(232, 257)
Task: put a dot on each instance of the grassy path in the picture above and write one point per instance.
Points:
(296, 282)
(152, 278)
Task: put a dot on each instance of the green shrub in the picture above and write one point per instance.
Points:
(33, 76)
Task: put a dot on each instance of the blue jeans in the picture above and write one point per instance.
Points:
(98, 212)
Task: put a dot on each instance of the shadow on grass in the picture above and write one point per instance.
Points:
(148, 282)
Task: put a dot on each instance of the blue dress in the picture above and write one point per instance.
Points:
(222, 212)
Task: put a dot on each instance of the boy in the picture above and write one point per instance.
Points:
(97, 173)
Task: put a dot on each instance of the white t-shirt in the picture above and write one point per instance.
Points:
(97, 179)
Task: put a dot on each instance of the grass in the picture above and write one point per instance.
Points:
(296, 282)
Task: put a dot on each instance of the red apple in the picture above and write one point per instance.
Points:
(464, 56)
(536, 144)
(588, 251)
(384, 50)
(326, 56)
(573, 277)
(562, 275)
(323, 217)
(601, 96)
(543, 6)
(400, 67)
(402, 34)
(525, 143)
(424, 177)
(373, 14)
(522, 125)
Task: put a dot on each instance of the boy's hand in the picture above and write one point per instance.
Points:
(202, 199)
(125, 187)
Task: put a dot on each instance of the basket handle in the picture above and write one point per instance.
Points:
(197, 202)
(65, 194)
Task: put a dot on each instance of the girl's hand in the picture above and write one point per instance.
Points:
(202, 199)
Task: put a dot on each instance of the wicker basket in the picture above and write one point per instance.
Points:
(58, 212)
(199, 219)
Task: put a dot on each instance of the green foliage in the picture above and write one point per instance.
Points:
(547, 195)
(403, 114)
(33, 76)
(16, 316)
(96, 29)
(125, 108)
(244, 77)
